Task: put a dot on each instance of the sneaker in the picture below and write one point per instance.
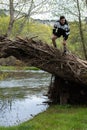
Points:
(65, 52)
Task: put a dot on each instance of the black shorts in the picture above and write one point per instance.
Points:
(58, 33)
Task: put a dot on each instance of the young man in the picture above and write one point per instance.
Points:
(61, 28)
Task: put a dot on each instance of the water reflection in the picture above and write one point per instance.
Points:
(21, 96)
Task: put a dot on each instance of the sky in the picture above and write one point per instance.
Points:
(48, 9)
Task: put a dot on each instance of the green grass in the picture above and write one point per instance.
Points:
(17, 68)
(56, 118)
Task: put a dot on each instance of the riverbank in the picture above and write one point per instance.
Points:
(17, 68)
(56, 118)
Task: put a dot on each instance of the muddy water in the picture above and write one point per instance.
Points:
(21, 95)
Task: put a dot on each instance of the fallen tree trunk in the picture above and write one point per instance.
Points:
(69, 70)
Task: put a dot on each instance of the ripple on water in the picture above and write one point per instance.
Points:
(21, 96)
(13, 113)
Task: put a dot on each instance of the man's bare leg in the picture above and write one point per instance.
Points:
(64, 46)
(54, 40)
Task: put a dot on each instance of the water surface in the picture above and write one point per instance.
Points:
(21, 95)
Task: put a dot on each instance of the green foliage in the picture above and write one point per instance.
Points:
(74, 33)
(44, 32)
(74, 40)
(35, 29)
(30, 29)
(3, 24)
(3, 76)
(85, 33)
(3, 68)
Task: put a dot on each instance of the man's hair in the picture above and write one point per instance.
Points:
(62, 17)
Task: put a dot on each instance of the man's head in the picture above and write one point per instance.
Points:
(62, 20)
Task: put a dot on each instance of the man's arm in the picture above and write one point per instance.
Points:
(67, 32)
(55, 27)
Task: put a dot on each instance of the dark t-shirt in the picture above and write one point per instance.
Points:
(61, 30)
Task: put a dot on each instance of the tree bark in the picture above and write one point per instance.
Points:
(46, 57)
(11, 22)
(70, 72)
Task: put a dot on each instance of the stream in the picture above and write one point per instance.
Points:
(21, 95)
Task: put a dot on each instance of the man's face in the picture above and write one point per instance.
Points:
(62, 21)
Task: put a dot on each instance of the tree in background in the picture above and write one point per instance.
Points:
(73, 10)
(11, 22)
(80, 29)
(23, 9)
